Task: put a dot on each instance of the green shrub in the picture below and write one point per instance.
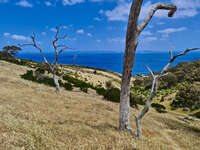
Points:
(40, 70)
(28, 75)
(84, 89)
(112, 94)
(159, 108)
(197, 115)
(100, 90)
(109, 85)
(68, 86)
(187, 96)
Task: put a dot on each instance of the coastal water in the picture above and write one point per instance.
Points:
(113, 61)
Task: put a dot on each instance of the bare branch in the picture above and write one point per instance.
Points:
(156, 78)
(150, 70)
(172, 9)
(34, 44)
(172, 59)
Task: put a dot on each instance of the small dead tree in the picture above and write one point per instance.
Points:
(58, 49)
(155, 81)
(133, 32)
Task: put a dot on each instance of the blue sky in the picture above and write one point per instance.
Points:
(97, 25)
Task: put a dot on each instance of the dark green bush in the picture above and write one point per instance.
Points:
(112, 94)
(100, 90)
(40, 70)
(159, 108)
(68, 86)
(136, 99)
(197, 115)
(28, 75)
(84, 89)
(187, 96)
(170, 80)
(109, 85)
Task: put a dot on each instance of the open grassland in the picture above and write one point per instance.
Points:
(34, 117)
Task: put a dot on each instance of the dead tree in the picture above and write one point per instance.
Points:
(58, 49)
(133, 32)
(155, 81)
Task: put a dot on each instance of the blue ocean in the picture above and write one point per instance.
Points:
(113, 61)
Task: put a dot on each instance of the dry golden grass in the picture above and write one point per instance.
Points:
(33, 117)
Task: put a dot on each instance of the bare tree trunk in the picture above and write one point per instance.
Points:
(56, 82)
(133, 32)
(131, 46)
(124, 121)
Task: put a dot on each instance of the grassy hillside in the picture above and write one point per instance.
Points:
(34, 117)
(178, 91)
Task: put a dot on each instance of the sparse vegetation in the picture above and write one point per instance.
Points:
(32, 120)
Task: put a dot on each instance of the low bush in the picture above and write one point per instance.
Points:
(159, 108)
(112, 94)
(109, 84)
(197, 115)
(68, 86)
(84, 89)
(187, 96)
(28, 75)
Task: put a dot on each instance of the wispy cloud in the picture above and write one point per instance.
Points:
(24, 3)
(187, 8)
(166, 32)
(89, 34)
(20, 37)
(80, 31)
(6, 34)
(116, 40)
(146, 33)
(48, 3)
(172, 30)
(71, 2)
(3, 1)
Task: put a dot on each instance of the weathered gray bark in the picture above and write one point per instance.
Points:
(58, 50)
(133, 32)
(155, 81)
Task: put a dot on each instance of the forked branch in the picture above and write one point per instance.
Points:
(58, 49)
(172, 9)
(156, 78)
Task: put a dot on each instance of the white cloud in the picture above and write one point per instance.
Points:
(98, 41)
(96, 0)
(165, 33)
(64, 27)
(172, 30)
(97, 19)
(119, 13)
(146, 33)
(48, 3)
(16, 37)
(80, 31)
(186, 8)
(44, 33)
(20, 37)
(72, 2)
(89, 34)
(149, 39)
(53, 29)
(116, 40)
(6, 34)
(3, 1)
(24, 3)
